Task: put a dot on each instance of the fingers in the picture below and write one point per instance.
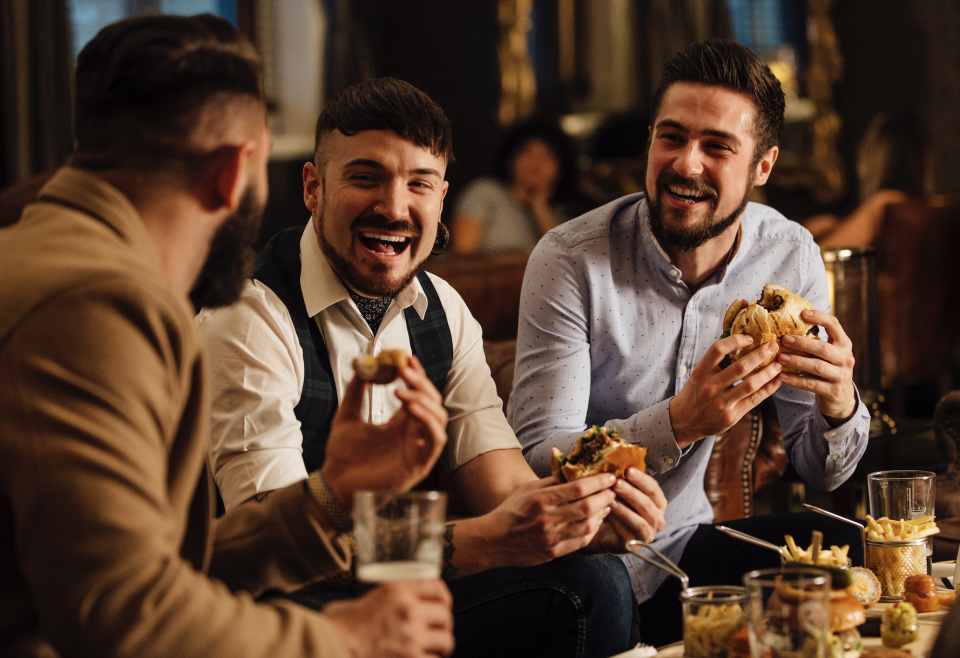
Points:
(743, 367)
(430, 589)
(423, 406)
(416, 378)
(641, 517)
(644, 494)
(723, 347)
(835, 333)
(352, 400)
(579, 489)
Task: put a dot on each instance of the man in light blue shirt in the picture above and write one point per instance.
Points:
(622, 309)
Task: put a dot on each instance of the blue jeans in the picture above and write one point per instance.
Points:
(578, 606)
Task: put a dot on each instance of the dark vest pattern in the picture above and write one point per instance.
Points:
(430, 340)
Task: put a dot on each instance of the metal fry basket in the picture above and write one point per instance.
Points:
(894, 562)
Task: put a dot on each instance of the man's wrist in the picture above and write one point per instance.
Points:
(841, 418)
(336, 513)
(682, 437)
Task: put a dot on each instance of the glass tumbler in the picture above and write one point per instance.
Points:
(788, 612)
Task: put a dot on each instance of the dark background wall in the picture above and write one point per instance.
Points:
(902, 54)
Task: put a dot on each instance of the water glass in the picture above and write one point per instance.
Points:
(788, 611)
(398, 535)
(903, 495)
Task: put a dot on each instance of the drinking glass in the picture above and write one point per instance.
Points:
(398, 535)
(788, 612)
(901, 494)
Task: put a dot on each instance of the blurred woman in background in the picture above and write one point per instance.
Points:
(894, 164)
(533, 188)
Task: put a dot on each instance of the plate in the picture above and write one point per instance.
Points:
(640, 651)
(674, 650)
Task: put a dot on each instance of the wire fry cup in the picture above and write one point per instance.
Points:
(894, 562)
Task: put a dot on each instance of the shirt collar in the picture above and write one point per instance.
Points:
(322, 288)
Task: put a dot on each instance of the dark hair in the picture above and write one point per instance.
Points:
(895, 154)
(387, 104)
(549, 133)
(726, 63)
(142, 81)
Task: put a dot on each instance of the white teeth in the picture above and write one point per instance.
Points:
(685, 191)
(384, 238)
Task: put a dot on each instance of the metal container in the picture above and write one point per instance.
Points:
(894, 562)
(852, 283)
(710, 616)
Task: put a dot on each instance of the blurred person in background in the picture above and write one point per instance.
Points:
(532, 189)
(894, 165)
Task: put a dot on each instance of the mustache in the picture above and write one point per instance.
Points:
(668, 178)
(379, 222)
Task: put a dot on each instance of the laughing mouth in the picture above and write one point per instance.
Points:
(383, 244)
(688, 194)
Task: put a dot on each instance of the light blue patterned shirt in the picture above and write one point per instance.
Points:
(609, 333)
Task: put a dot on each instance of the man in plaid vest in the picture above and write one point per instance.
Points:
(520, 567)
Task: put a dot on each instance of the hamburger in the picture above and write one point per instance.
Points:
(599, 450)
(775, 315)
(846, 613)
(382, 368)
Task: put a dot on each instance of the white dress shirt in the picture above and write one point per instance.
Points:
(257, 375)
(609, 333)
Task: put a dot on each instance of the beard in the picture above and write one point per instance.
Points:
(687, 238)
(230, 260)
(373, 284)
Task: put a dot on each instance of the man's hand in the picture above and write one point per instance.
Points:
(394, 456)
(544, 520)
(709, 403)
(637, 513)
(407, 619)
(828, 372)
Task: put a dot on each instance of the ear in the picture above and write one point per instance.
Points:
(443, 195)
(765, 166)
(234, 173)
(311, 187)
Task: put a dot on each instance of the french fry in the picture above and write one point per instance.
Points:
(885, 529)
(835, 556)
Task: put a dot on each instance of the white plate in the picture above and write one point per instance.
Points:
(640, 651)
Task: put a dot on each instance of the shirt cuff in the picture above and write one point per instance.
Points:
(652, 429)
(837, 438)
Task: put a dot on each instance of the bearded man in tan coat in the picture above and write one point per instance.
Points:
(108, 546)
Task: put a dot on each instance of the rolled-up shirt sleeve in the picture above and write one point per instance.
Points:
(256, 381)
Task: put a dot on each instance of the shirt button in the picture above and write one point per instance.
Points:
(683, 370)
(377, 416)
(835, 457)
(674, 272)
(668, 461)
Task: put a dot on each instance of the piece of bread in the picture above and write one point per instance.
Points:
(382, 368)
(774, 315)
(866, 586)
(599, 450)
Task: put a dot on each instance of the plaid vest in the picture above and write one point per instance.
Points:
(279, 268)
